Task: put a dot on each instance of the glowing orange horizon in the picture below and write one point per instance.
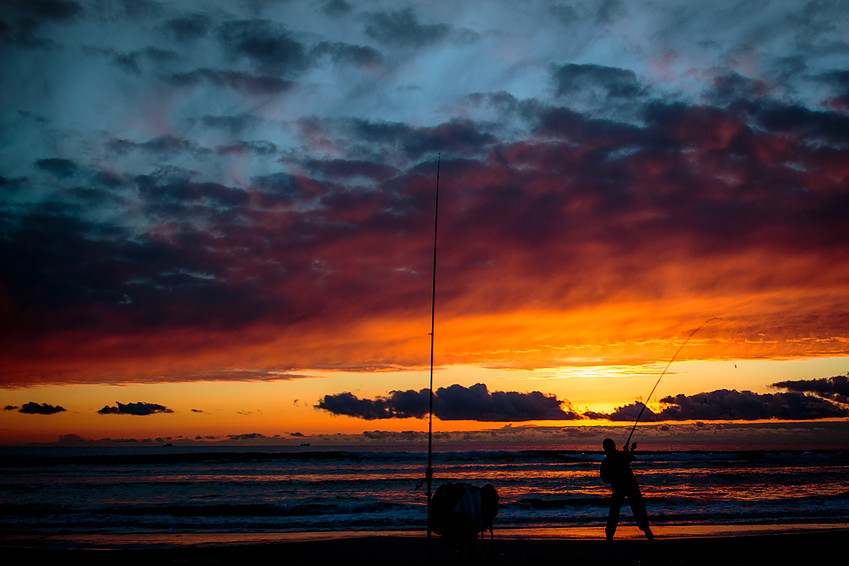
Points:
(265, 379)
(609, 334)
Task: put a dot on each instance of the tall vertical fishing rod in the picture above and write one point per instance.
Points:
(678, 351)
(429, 471)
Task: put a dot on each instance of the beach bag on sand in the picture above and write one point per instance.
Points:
(460, 511)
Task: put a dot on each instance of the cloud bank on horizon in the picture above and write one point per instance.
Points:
(805, 400)
(814, 399)
(253, 182)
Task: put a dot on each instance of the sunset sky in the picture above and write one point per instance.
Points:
(217, 219)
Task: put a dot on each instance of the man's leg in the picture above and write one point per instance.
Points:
(638, 507)
(613, 514)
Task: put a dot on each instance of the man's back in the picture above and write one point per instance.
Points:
(616, 469)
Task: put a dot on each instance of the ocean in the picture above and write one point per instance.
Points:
(76, 494)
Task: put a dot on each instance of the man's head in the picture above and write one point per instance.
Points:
(608, 445)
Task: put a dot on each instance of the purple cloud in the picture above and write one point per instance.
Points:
(475, 403)
(40, 409)
(725, 404)
(138, 409)
(835, 388)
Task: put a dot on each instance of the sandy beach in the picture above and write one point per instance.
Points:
(773, 548)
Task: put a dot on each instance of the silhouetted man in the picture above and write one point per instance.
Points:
(616, 470)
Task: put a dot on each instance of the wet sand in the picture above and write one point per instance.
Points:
(777, 548)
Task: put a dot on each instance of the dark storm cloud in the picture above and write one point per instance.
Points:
(748, 153)
(57, 166)
(283, 188)
(96, 193)
(611, 82)
(732, 88)
(403, 28)
(22, 19)
(456, 402)
(236, 80)
(817, 127)
(5, 31)
(48, 10)
(597, 133)
(266, 44)
(40, 409)
(109, 277)
(177, 188)
(459, 137)
(835, 388)
(358, 55)
(132, 61)
(379, 131)
(12, 185)
(240, 147)
(189, 27)
(164, 145)
(48, 243)
(139, 409)
(839, 80)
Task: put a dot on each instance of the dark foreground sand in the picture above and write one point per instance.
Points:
(797, 549)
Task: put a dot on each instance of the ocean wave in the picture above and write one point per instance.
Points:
(153, 491)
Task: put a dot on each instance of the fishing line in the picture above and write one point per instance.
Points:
(678, 351)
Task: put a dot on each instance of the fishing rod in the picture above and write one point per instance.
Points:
(429, 471)
(678, 351)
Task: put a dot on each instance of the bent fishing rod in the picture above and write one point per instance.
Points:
(678, 351)
(429, 471)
